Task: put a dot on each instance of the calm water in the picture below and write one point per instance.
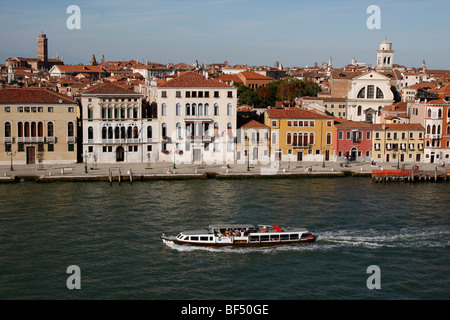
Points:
(112, 234)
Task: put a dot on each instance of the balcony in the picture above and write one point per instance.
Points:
(8, 140)
(30, 139)
(434, 136)
(200, 138)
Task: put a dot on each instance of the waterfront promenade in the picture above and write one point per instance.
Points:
(141, 171)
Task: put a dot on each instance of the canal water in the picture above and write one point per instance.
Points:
(112, 233)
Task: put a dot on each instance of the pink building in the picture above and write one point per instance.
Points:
(353, 141)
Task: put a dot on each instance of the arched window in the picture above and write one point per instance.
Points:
(129, 132)
(164, 109)
(20, 129)
(40, 129)
(439, 113)
(448, 130)
(429, 113)
(300, 139)
(200, 109)
(178, 130)
(7, 129)
(216, 130)
(33, 129)
(230, 129)
(380, 94)
(439, 129)
(122, 133)
(433, 129)
(164, 130)
(289, 138)
(428, 129)
(135, 132)
(206, 109)
(311, 138)
(194, 107)
(149, 132)
(216, 109)
(362, 93)
(305, 139)
(328, 138)
(104, 133)
(229, 109)
(104, 113)
(70, 129)
(90, 133)
(116, 133)
(110, 132)
(178, 109)
(188, 109)
(359, 110)
(27, 129)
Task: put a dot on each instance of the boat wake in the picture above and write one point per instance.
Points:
(403, 238)
(331, 240)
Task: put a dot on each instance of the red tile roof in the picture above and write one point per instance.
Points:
(294, 113)
(33, 95)
(399, 126)
(193, 79)
(254, 124)
(80, 69)
(253, 76)
(110, 89)
(348, 124)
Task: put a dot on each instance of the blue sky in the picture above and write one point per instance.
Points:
(254, 32)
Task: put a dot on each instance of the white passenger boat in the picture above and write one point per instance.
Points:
(241, 235)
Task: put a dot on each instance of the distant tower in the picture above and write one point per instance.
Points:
(103, 59)
(42, 52)
(385, 56)
(10, 73)
(93, 61)
(424, 67)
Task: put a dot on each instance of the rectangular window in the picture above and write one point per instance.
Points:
(71, 147)
(164, 94)
(50, 109)
(7, 147)
(178, 94)
(7, 109)
(216, 94)
(230, 94)
(51, 147)
(188, 94)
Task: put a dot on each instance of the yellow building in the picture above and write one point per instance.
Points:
(38, 125)
(300, 135)
(398, 143)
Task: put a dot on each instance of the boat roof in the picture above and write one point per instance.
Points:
(232, 226)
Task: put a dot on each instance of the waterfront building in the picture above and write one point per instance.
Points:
(254, 80)
(253, 143)
(434, 116)
(38, 126)
(116, 127)
(300, 135)
(369, 93)
(395, 113)
(197, 119)
(398, 143)
(353, 141)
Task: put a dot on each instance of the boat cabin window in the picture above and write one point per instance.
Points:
(194, 238)
(284, 236)
(204, 238)
(264, 238)
(275, 237)
(294, 236)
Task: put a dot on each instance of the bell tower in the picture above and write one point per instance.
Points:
(385, 56)
(42, 53)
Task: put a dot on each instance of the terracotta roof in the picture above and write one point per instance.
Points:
(110, 89)
(33, 95)
(254, 124)
(399, 126)
(253, 76)
(80, 69)
(399, 106)
(348, 124)
(294, 113)
(191, 79)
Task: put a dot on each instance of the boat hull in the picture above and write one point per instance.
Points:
(174, 240)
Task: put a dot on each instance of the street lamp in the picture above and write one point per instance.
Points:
(12, 154)
(85, 162)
